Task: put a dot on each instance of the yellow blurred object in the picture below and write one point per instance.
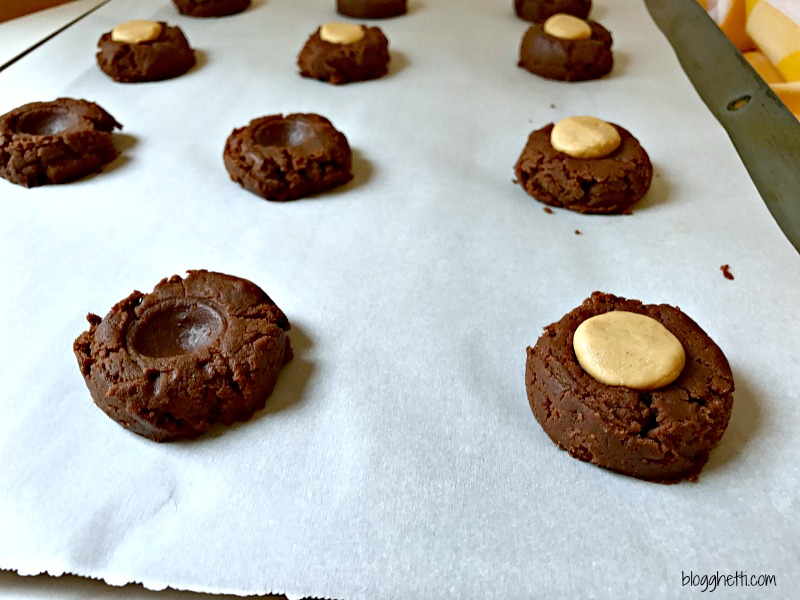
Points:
(731, 17)
(768, 34)
(763, 67)
(789, 93)
(777, 36)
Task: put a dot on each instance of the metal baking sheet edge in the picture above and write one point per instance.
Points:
(45, 39)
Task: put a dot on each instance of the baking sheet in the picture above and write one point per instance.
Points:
(19, 34)
(397, 456)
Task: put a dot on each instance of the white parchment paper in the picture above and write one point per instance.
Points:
(397, 457)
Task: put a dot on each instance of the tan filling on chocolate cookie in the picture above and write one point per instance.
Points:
(136, 32)
(585, 137)
(567, 27)
(628, 349)
(341, 33)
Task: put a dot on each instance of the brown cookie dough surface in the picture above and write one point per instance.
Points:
(567, 60)
(288, 157)
(196, 351)
(371, 9)
(599, 185)
(211, 8)
(366, 59)
(166, 57)
(661, 435)
(538, 11)
(55, 142)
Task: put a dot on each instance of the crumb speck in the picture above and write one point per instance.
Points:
(726, 271)
(548, 210)
(577, 232)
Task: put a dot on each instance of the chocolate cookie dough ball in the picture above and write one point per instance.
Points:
(210, 8)
(55, 142)
(285, 158)
(639, 389)
(538, 11)
(343, 53)
(196, 351)
(566, 48)
(586, 165)
(371, 9)
(139, 51)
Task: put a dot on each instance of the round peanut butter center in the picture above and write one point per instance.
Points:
(585, 137)
(628, 349)
(136, 32)
(341, 33)
(567, 27)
